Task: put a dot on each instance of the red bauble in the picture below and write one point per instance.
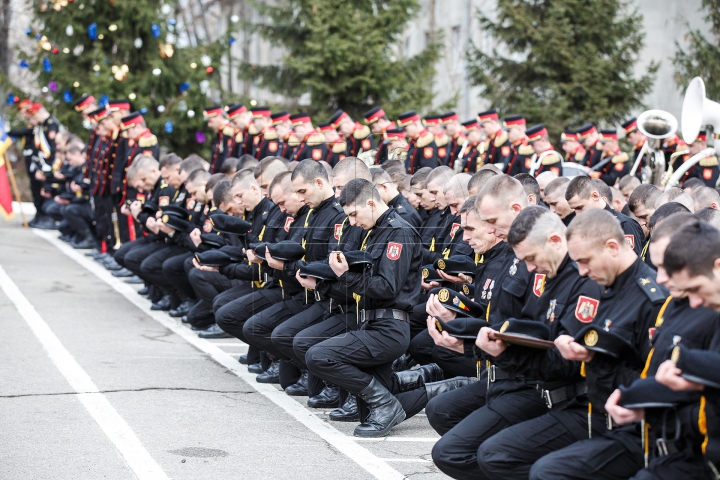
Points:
(55, 50)
(209, 69)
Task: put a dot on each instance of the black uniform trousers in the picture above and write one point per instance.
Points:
(207, 286)
(126, 248)
(79, 217)
(151, 268)
(175, 272)
(453, 364)
(132, 260)
(231, 316)
(104, 228)
(54, 210)
(557, 444)
(456, 452)
(447, 410)
(684, 465)
(328, 327)
(258, 328)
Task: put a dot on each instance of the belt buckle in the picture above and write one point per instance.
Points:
(548, 400)
(662, 447)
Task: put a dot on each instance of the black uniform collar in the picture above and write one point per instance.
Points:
(259, 207)
(396, 201)
(384, 218)
(495, 251)
(325, 203)
(626, 278)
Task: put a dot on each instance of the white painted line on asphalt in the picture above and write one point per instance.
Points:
(377, 467)
(407, 460)
(120, 434)
(402, 439)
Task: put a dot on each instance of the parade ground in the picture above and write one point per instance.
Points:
(96, 385)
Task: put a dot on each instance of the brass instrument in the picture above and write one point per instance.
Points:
(116, 229)
(657, 126)
(399, 154)
(368, 157)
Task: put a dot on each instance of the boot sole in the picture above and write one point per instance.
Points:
(381, 433)
(354, 418)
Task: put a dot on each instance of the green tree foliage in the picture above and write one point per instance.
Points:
(346, 54)
(124, 30)
(562, 62)
(702, 57)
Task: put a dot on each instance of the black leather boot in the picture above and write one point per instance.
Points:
(434, 389)
(405, 362)
(328, 398)
(271, 375)
(412, 379)
(162, 304)
(256, 368)
(299, 388)
(385, 411)
(348, 412)
(182, 309)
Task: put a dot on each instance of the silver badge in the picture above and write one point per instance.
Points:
(550, 316)
(513, 267)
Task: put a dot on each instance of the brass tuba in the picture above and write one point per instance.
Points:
(657, 126)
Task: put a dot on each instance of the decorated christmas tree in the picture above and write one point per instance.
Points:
(563, 62)
(702, 56)
(345, 55)
(132, 49)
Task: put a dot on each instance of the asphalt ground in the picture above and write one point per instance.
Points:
(94, 384)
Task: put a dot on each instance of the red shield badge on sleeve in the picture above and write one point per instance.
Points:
(288, 221)
(338, 231)
(539, 284)
(630, 240)
(394, 250)
(207, 227)
(454, 229)
(586, 309)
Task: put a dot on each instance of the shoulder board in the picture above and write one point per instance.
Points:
(252, 130)
(525, 150)
(551, 159)
(362, 132)
(228, 131)
(270, 134)
(163, 184)
(709, 162)
(293, 141)
(621, 157)
(337, 207)
(339, 147)
(149, 141)
(653, 291)
(579, 156)
(442, 141)
(425, 140)
(315, 140)
(500, 139)
(239, 138)
(115, 134)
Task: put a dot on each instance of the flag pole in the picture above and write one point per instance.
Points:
(15, 190)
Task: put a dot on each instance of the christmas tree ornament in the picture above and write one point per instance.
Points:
(231, 40)
(132, 96)
(182, 106)
(55, 50)
(143, 110)
(171, 38)
(69, 30)
(76, 84)
(193, 65)
(112, 27)
(200, 136)
(38, 36)
(103, 100)
(78, 50)
(205, 60)
(119, 73)
(47, 66)
(45, 44)
(204, 85)
(166, 50)
(43, 7)
(53, 86)
(24, 64)
(28, 31)
(166, 9)
(66, 50)
(184, 87)
(101, 36)
(161, 108)
(234, 19)
(92, 31)
(169, 127)
(172, 22)
(67, 96)
(96, 68)
(138, 43)
(155, 30)
(10, 99)
(156, 71)
(209, 70)
(57, 7)
(44, 90)
(191, 113)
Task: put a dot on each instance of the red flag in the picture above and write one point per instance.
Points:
(5, 193)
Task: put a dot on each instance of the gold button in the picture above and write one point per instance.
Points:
(653, 289)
